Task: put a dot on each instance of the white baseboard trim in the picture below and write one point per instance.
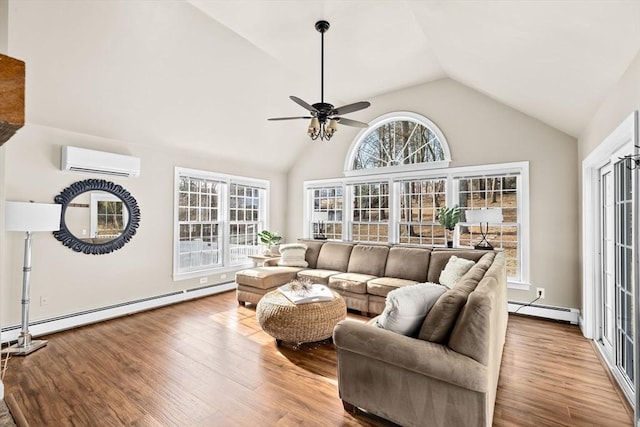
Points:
(61, 323)
(564, 314)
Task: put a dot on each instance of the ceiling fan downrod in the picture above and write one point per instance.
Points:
(322, 27)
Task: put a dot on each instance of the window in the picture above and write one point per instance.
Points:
(499, 191)
(370, 203)
(397, 177)
(108, 215)
(396, 141)
(217, 220)
(402, 208)
(420, 201)
(326, 217)
(199, 225)
(244, 218)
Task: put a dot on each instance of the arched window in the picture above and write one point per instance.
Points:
(399, 140)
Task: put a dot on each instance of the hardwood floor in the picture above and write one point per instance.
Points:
(208, 363)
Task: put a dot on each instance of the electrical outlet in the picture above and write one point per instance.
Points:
(223, 276)
(203, 280)
(540, 293)
(43, 301)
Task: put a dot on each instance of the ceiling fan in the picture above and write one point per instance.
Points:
(324, 116)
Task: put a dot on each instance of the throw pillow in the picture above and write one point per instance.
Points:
(292, 255)
(454, 270)
(406, 307)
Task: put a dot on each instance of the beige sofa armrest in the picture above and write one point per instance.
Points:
(430, 359)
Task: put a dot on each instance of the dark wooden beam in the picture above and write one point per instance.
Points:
(11, 97)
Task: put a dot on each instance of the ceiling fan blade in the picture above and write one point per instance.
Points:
(289, 118)
(303, 104)
(350, 108)
(350, 122)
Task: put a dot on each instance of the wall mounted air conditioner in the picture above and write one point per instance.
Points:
(92, 161)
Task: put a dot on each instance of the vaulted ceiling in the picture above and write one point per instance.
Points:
(204, 75)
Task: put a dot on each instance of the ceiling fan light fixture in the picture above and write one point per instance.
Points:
(314, 128)
(322, 129)
(332, 127)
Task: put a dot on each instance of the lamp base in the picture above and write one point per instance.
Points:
(486, 247)
(23, 350)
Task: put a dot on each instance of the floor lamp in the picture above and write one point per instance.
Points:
(484, 216)
(29, 217)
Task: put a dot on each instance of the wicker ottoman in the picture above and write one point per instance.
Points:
(299, 323)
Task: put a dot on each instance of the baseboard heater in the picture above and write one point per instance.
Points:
(82, 318)
(564, 314)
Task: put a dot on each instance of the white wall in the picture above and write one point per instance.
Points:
(621, 101)
(480, 130)
(72, 281)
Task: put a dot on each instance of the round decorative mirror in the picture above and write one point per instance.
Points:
(98, 216)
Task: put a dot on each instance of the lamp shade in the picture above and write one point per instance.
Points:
(491, 215)
(319, 216)
(24, 216)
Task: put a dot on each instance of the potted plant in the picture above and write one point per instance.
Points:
(448, 218)
(270, 240)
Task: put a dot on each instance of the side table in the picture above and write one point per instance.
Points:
(259, 260)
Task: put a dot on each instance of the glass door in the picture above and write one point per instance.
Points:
(615, 292)
(624, 307)
(606, 292)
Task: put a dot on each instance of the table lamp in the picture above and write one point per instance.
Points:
(318, 219)
(484, 216)
(29, 217)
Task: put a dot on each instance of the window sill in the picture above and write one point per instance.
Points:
(211, 272)
(521, 286)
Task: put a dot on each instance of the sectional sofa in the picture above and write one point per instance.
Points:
(363, 274)
(445, 374)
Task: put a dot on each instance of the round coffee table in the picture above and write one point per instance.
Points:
(299, 323)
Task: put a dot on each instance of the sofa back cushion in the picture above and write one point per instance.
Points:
(408, 263)
(334, 256)
(442, 317)
(440, 258)
(313, 250)
(368, 259)
(471, 334)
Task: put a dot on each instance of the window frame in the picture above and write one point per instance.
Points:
(451, 192)
(96, 198)
(388, 118)
(225, 181)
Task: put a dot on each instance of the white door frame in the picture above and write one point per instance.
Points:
(624, 136)
(625, 133)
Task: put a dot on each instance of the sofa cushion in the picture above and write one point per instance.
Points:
(292, 255)
(313, 250)
(334, 256)
(472, 331)
(351, 282)
(317, 275)
(266, 277)
(368, 259)
(440, 258)
(454, 270)
(439, 322)
(383, 285)
(406, 308)
(408, 263)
